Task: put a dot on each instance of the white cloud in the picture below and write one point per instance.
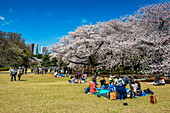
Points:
(2, 18)
(5, 22)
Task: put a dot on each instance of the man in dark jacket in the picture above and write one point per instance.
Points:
(103, 81)
(127, 80)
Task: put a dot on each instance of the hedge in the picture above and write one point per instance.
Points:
(4, 68)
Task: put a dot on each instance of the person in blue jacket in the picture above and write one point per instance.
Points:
(111, 87)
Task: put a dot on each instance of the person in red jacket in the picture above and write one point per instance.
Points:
(93, 86)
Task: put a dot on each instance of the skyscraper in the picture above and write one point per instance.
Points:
(35, 49)
(44, 50)
(31, 45)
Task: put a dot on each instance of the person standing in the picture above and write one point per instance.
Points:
(31, 69)
(111, 79)
(93, 71)
(98, 71)
(83, 71)
(119, 87)
(87, 71)
(38, 71)
(13, 74)
(111, 71)
(46, 70)
(19, 73)
(23, 68)
(42, 70)
(50, 69)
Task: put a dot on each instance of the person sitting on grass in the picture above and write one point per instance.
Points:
(162, 81)
(73, 80)
(119, 87)
(131, 84)
(136, 88)
(93, 86)
(111, 87)
(103, 81)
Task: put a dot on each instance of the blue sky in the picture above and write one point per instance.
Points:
(44, 21)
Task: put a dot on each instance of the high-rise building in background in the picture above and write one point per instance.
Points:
(44, 50)
(35, 49)
(31, 45)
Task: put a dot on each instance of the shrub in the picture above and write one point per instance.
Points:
(4, 68)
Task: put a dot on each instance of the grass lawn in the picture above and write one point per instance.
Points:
(44, 93)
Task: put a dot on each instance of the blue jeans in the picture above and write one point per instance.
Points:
(120, 95)
(120, 90)
(13, 76)
(19, 76)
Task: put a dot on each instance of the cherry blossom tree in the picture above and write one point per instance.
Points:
(142, 38)
(155, 20)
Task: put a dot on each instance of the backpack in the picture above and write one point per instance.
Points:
(148, 91)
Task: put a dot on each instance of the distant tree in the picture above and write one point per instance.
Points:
(54, 61)
(63, 63)
(39, 56)
(13, 49)
(45, 60)
(35, 63)
(12, 56)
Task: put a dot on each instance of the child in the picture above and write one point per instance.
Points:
(111, 87)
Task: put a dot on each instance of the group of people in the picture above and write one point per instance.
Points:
(118, 85)
(78, 78)
(20, 71)
(39, 70)
(159, 81)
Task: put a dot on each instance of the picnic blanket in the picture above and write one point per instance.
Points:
(101, 91)
(105, 93)
(63, 75)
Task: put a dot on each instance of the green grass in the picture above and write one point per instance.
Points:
(44, 93)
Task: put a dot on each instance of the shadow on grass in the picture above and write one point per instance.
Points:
(23, 80)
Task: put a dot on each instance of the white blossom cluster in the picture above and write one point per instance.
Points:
(142, 38)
